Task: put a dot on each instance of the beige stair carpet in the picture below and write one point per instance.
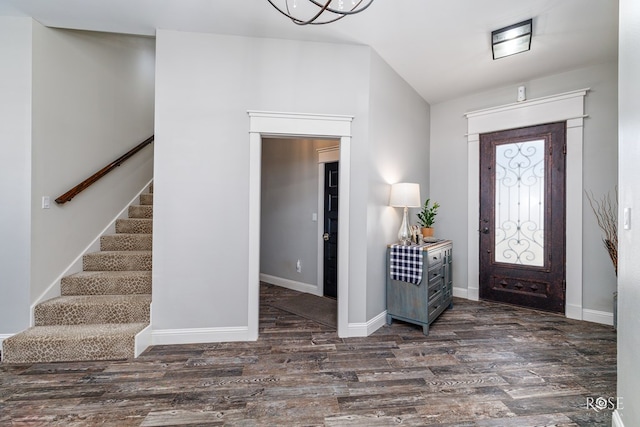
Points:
(102, 308)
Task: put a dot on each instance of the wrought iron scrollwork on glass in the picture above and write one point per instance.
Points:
(519, 203)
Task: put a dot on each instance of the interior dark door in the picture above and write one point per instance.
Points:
(522, 217)
(330, 271)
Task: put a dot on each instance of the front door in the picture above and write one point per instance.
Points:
(330, 270)
(522, 217)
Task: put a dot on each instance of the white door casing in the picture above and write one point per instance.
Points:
(567, 107)
(274, 124)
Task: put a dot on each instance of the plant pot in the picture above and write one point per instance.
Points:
(427, 232)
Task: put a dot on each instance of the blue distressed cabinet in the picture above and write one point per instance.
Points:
(423, 303)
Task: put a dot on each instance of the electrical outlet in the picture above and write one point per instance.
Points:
(299, 266)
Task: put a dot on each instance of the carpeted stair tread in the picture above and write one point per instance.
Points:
(68, 343)
(106, 283)
(93, 309)
(134, 225)
(146, 199)
(126, 242)
(117, 261)
(140, 211)
(102, 308)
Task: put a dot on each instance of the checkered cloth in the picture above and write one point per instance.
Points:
(405, 263)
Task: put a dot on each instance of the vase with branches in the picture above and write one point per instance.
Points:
(606, 211)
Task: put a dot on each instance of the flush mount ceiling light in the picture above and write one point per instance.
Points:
(313, 12)
(513, 39)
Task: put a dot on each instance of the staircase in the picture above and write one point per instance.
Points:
(101, 309)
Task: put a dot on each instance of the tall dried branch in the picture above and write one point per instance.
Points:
(606, 211)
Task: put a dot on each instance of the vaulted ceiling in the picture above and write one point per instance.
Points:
(441, 47)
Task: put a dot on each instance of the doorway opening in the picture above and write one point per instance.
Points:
(299, 221)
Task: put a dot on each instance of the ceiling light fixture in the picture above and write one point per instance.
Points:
(319, 13)
(513, 39)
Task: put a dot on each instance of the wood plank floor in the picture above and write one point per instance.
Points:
(481, 365)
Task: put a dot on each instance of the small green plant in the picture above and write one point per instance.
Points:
(427, 216)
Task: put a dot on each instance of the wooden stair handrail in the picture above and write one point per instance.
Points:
(66, 197)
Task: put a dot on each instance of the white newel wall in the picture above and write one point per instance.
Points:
(15, 173)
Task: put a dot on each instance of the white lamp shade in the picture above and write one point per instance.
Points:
(405, 194)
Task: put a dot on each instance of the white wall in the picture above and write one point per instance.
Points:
(398, 151)
(448, 166)
(15, 173)
(93, 100)
(289, 198)
(205, 84)
(629, 240)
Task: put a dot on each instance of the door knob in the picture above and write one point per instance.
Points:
(485, 230)
(325, 236)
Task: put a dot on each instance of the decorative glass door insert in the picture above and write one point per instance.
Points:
(519, 203)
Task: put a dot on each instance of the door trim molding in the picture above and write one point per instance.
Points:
(567, 107)
(264, 123)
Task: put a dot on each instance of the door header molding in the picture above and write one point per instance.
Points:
(563, 107)
(269, 123)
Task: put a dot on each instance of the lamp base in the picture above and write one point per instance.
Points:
(404, 234)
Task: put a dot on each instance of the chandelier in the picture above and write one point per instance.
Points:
(317, 12)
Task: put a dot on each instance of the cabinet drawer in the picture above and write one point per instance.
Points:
(434, 291)
(435, 273)
(435, 304)
(434, 258)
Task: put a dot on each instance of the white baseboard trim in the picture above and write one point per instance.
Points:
(200, 335)
(596, 316)
(290, 284)
(572, 311)
(377, 322)
(461, 293)
(473, 294)
(616, 420)
(53, 290)
(367, 328)
(142, 341)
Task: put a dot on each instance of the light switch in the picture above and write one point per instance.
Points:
(45, 202)
(626, 222)
(314, 216)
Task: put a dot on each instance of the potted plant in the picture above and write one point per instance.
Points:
(427, 216)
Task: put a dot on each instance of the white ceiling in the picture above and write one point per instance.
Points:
(441, 47)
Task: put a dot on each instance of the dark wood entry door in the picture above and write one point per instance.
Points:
(522, 217)
(330, 270)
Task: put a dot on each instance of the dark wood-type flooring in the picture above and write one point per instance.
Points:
(481, 365)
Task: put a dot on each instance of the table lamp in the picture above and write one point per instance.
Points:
(405, 195)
